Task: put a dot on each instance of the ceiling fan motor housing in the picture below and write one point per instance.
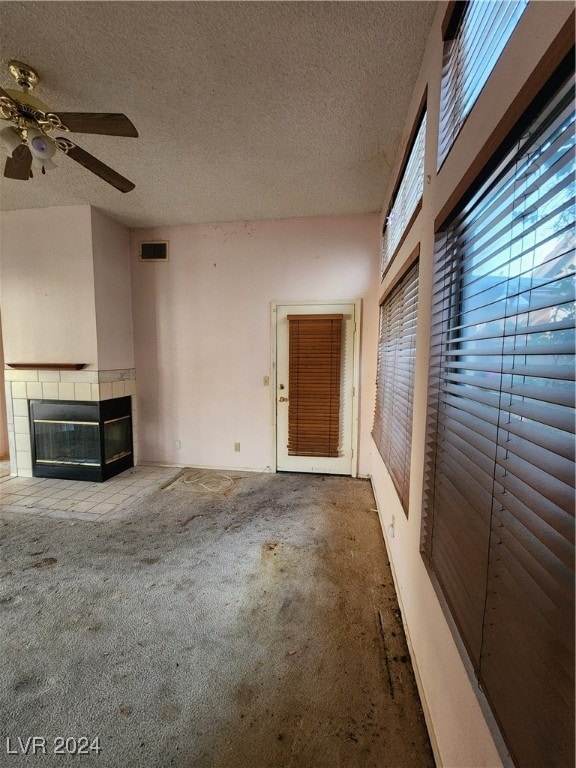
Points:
(24, 75)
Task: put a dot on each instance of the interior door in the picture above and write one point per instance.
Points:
(315, 357)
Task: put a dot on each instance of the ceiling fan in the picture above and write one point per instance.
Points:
(30, 140)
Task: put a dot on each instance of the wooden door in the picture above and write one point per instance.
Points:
(315, 358)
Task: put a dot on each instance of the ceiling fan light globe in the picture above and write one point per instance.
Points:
(46, 164)
(41, 146)
(9, 139)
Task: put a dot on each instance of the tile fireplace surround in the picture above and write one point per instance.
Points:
(39, 384)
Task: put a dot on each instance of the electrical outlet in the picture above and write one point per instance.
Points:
(237, 447)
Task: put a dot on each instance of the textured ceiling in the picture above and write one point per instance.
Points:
(245, 110)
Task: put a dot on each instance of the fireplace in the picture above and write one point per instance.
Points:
(81, 440)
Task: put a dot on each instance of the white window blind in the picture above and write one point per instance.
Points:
(498, 527)
(392, 430)
(407, 198)
(469, 58)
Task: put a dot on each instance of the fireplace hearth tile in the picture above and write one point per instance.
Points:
(50, 390)
(20, 407)
(86, 377)
(65, 391)
(65, 494)
(63, 505)
(120, 374)
(82, 391)
(24, 460)
(11, 374)
(84, 504)
(34, 390)
(105, 391)
(118, 389)
(21, 425)
(19, 389)
(49, 376)
(22, 443)
(106, 507)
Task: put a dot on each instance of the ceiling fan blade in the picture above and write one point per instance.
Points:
(106, 123)
(96, 166)
(20, 164)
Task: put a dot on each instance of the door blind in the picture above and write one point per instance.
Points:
(499, 500)
(315, 363)
(392, 431)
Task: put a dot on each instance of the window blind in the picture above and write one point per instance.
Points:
(392, 431)
(499, 501)
(469, 58)
(407, 198)
(315, 363)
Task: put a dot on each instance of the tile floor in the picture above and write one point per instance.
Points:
(79, 500)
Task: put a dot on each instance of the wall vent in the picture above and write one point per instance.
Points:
(155, 250)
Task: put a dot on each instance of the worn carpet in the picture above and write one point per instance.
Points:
(250, 624)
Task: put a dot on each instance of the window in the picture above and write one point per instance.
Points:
(407, 198)
(475, 38)
(392, 430)
(498, 529)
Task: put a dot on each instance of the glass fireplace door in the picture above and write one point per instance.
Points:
(117, 439)
(81, 440)
(67, 442)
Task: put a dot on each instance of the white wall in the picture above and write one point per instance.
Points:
(47, 286)
(113, 297)
(202, 328)
(462, 734)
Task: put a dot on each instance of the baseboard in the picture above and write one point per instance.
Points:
(418, 678)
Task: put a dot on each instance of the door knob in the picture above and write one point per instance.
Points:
(282, 399)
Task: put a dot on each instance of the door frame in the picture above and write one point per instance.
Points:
(355, 373)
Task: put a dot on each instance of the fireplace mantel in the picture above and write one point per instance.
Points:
(47, 366)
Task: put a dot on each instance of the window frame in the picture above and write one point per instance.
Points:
(452, 31)
(421, 114)
(526, 103)
(446, 310)
(396, 453)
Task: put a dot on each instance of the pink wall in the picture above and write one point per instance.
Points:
(4, 446)
(65, 288)
(462, 728)
(111, 258)
(203, 331)
(47, 286)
